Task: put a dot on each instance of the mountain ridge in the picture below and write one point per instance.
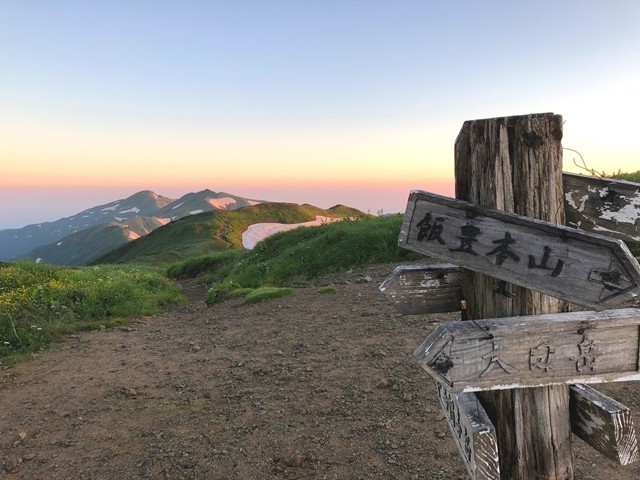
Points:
(212, 231)
(16, 243)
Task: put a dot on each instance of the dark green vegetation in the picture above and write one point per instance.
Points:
(39, 302)
(209, 232)
(630, 177)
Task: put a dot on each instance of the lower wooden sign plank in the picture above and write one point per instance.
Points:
(602, 205)
(421, 289)
(534, 350)
(603, 423)
(473, 433)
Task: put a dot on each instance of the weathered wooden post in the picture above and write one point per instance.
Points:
(515, 164)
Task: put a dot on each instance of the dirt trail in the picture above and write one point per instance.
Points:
(313, 386)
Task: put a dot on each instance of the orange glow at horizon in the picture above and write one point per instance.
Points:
(70, 155)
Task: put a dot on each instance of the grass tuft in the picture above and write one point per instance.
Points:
(266, 293)
(326, 289)
(630, 177)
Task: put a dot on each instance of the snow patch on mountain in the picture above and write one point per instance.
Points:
(106, 209)
(195, 212)
(259, 231)
(131, 210)
(223, 202)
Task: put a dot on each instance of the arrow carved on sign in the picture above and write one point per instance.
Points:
(583, 268)
(533, 351)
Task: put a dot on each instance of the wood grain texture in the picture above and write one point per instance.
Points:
(603, 205)
(534, 350)
(515, 164)
(421, 289)
(603, 423)
(473, 433)
(583, 268)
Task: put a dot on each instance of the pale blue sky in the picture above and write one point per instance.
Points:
(262, 97)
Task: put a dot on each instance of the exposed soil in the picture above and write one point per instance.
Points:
(313, 386)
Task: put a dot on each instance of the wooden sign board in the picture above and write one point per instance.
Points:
(473, 433)
(602, 205)
(580, 267)
(603, 423)
(534, 350)
(420, 289)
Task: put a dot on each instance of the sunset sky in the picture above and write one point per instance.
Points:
(324, 102)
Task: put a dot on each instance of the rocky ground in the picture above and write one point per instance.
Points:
(313, 386)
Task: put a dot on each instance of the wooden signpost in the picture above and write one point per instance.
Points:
(534, 350)
(473, 433)
(418, 289)
(603, 205)
(582, 268)
(504, 230)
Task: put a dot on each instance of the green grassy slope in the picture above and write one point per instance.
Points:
(297, 257)
(214, 231)
(81, 247)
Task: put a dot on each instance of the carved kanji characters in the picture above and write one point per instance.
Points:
(555, 271)
(588, 355)
(494, 359)
(467, 446)
(503, 250)
(431, 228)
(468, 234)
(542, 356)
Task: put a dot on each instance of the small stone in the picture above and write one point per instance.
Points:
(294, 460)
(383, 383)
(441, 434)
(440, 417)
(11, 464)
(22, 435)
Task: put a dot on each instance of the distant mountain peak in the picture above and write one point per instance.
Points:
(139, 213)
